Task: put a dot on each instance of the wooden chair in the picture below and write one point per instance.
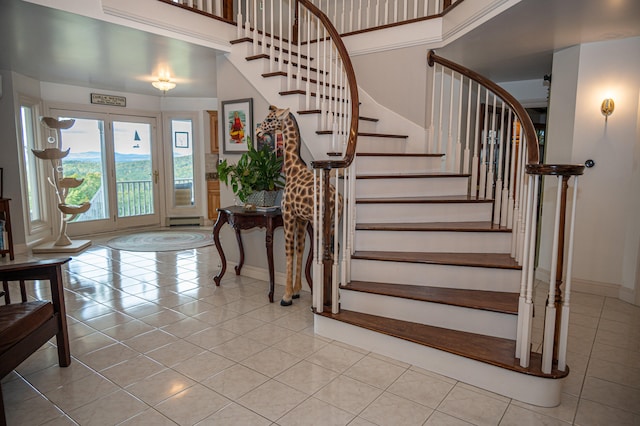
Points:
(26, 326)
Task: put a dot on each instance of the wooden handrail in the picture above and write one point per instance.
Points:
(353, 89)
(533, 150)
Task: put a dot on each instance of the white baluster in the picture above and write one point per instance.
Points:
(449, 153)
(564, 318)
(467, 145)
(497, 205)
(550, 314)
(475, 160)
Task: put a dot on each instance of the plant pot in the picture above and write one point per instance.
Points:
(262, 198)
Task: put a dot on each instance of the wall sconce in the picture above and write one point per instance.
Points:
(607, 108)
(163, 84)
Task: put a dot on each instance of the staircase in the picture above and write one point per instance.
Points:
(434, 269)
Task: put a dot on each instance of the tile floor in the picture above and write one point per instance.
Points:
(155, 343)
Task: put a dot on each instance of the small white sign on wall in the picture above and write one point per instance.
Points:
(111, 100)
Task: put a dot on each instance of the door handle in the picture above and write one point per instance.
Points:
(156, 175)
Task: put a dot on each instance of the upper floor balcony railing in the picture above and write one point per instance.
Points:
(348, 16)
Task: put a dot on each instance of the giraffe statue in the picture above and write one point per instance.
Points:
(297, 198)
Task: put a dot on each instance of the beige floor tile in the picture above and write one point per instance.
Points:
(35, 412)
(56, 376)
(611, 394)
(39, 360)
(108, 356)
(17, 391)
(150, 417)
(614, 372)
(174, 353)
(132, 370)
(474, 407)
(565, 412)
(109, 410)
(389, 409)
(109, 320)
(241, 324)
(348, 394)
(239, 348)
(307, 377)
(128, 330)
(235, 381)
(160, 386)
(336, 358)
(592, 413)
(438, 418)
(203, 365)
(192, 405)
(185, 327)
(151, 340)
(90, 343)
(272, 399)
(519, 416)
(421, 388)
(211, 337)
(375, 372)
(317, 413)
(301, 345)
(80, 392)
(235, 415)
(271, 361)
(269, 334)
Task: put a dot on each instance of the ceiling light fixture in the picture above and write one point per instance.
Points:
(163, 84)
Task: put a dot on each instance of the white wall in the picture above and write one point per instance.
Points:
(607, 227)
(232, 85)
(408, 68)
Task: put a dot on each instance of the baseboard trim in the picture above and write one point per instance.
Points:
(597, 288)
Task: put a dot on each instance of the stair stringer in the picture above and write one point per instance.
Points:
(527, 388)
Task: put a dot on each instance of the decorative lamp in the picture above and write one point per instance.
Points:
(607, 108)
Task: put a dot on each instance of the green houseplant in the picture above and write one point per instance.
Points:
(254, 172)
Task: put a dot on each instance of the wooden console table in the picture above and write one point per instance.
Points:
(239, 219)
(6, 215)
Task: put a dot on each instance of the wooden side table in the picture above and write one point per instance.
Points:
(239, 219)
(6, 215)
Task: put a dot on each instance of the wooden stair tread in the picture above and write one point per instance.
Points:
(494, 301)
(490, 350)
(482, 226)
(425, 200)
(411, 175)
(396, 154)
(371, 134)
(480, 260)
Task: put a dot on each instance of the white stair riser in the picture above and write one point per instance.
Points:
(523, 387)
(450, 276)
(436, 314)
(371, 165)
(378, 144)
(446, 242)
(411, 187)
(422, 212)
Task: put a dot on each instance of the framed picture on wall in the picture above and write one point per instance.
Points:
(181, 139)
(237, 131)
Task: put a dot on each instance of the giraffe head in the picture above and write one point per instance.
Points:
(273, 121)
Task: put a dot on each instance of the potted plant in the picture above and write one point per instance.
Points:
(256, 178)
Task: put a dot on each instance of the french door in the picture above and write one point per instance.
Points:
(117, 158)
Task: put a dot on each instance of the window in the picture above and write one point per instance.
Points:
(32, 173)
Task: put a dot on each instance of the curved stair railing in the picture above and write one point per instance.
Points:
(485, 132)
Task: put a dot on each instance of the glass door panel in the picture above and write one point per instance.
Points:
(132, 146)
(182, 154)
(86, 160)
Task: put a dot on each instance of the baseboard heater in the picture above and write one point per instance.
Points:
(185, 221)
